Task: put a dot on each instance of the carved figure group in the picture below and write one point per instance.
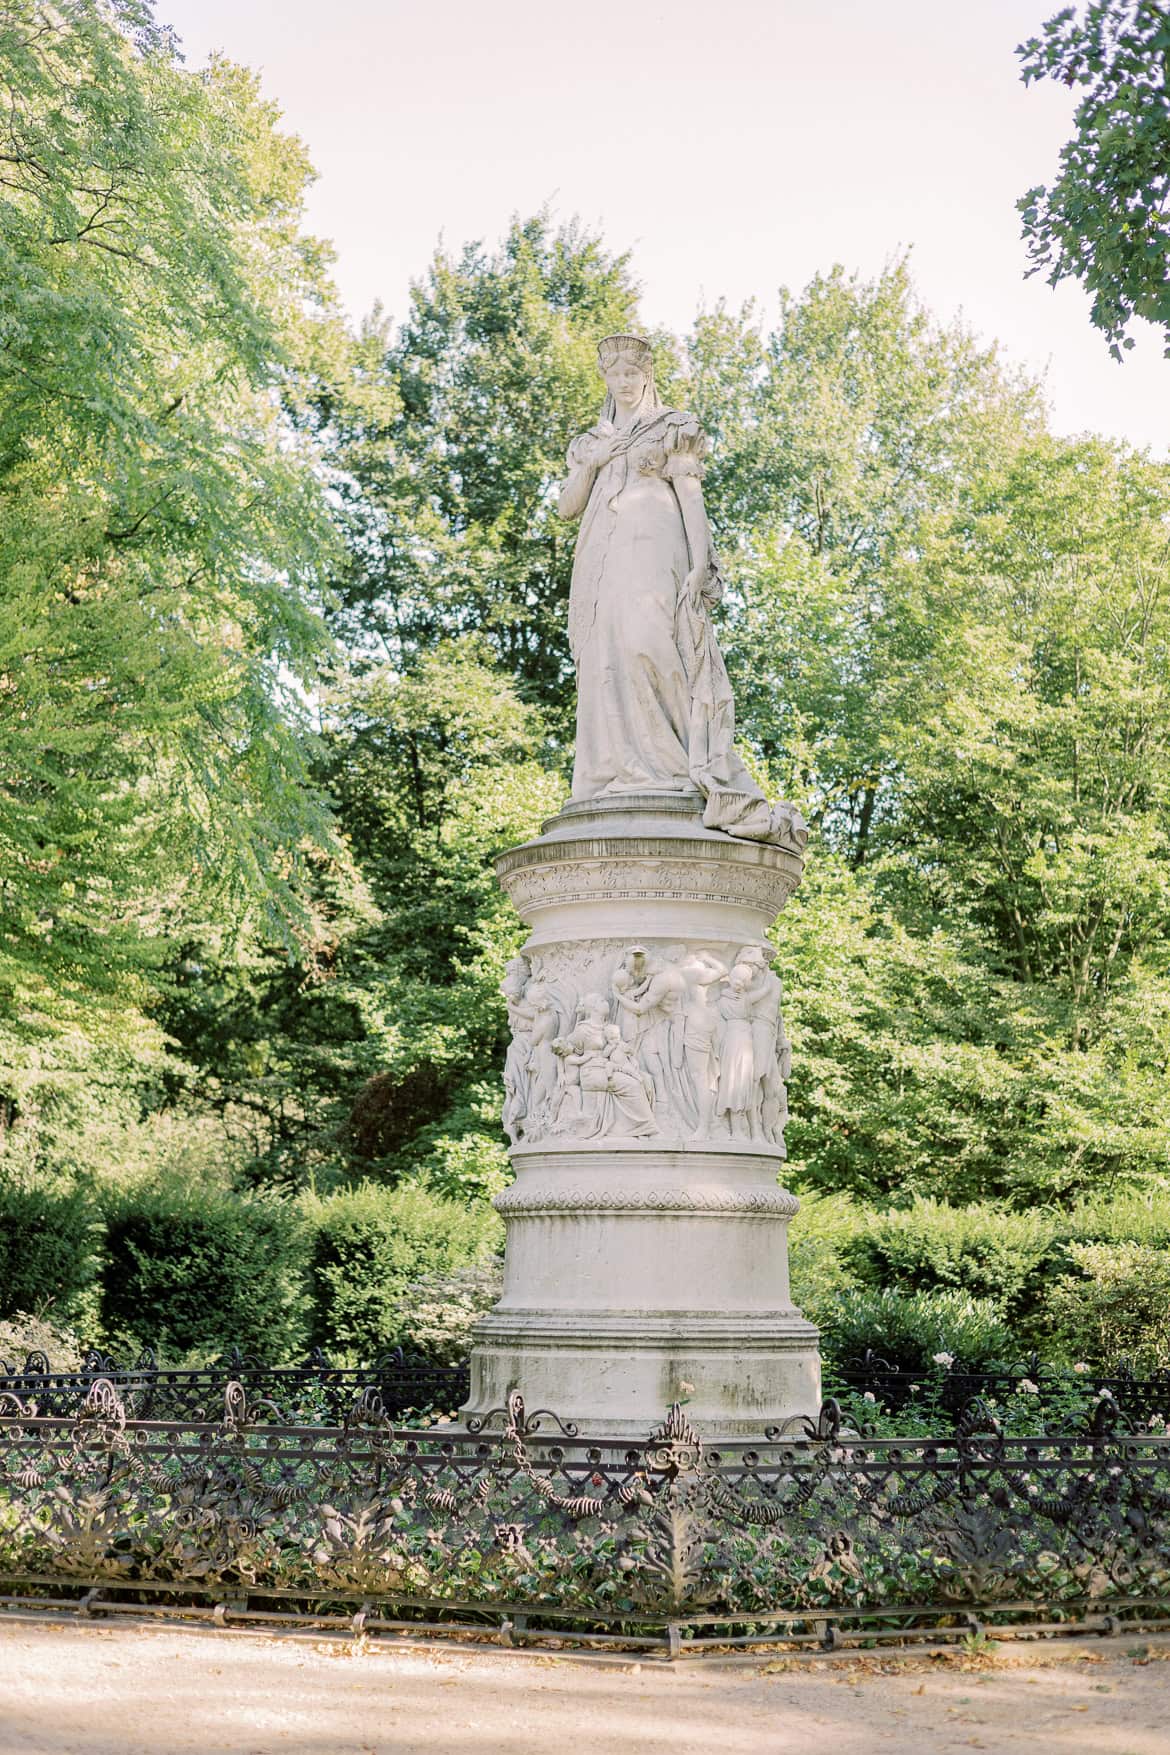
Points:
(684, 1045)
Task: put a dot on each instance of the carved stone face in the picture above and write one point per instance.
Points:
(626, 382)
(592, 1008)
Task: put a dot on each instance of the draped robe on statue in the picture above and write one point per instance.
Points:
(654, 706)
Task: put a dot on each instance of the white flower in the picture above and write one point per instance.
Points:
(1026, 1387)
(1080, 1367)
(869, 1396)
(946, 1359)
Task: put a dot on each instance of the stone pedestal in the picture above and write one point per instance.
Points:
(646, 1258)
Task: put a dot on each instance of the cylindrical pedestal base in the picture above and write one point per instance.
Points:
(647, 1254)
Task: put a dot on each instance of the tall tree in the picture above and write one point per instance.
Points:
(452, 526)
(1104, 220)
(837, 439)
(162, 525)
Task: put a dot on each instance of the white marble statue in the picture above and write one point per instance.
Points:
(654, 706)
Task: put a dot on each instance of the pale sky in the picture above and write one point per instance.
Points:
(734, 146)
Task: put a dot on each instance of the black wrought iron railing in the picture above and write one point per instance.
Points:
(314, 1392)
(951, 1388)
(317, 1391)
(539, 1532)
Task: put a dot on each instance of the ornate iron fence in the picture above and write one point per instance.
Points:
(541, 1532)
(951, 1390)
(315, 1392)
(318, 1392)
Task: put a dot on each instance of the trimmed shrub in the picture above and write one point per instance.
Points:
(1011, 1258)
(988, 1252)
(1117, 1312)
(1123, 1218)
(370, 1243)
(907, 1329)
(195, 1271)
(48, 1249)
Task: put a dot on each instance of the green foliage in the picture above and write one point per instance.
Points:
(1116, 1310)
(1011, 1260)
(449, 514)
(1104, 219)
(371, 1243)
(439, 1311)
(162, 525)
(48, 1248)
(234, 956)
(818, 1240)
(193, 1271)
(907, 1330)
(998, 1256)
(367, 1055)
(838, 437)
(22, 1334)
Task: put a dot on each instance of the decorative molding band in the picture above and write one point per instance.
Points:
(528, 1203)
(593, 876)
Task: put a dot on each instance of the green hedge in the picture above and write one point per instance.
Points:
(1116, 1310)
(197, 1271)
(370, 1243)
(48, 1249)
(1011, 1259)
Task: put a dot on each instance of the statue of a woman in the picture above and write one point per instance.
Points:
(654, 706)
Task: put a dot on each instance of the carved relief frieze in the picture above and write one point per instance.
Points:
(618, 1040)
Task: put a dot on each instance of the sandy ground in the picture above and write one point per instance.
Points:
(128, 1689)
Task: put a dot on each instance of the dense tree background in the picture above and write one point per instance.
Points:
(283, 665)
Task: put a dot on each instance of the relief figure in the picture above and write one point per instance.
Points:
(735, 1098)
(513, 988)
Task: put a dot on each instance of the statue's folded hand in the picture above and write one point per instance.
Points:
(697, 583)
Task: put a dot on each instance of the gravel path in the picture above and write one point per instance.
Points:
(129, 1690)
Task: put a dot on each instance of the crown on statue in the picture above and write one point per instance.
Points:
(614, 346)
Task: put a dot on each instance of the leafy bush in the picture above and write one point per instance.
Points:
(909, 1328)
(817, 1240)
(439, 1311)
(992, 1252)
(986, 1251)
(192, 1270)
(463, 1156)
(370, 1243)
(48, 1248)
(1129, 1218)
(1118, 1309)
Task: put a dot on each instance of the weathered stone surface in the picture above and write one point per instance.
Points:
(645, 1097)
(645, 1084)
